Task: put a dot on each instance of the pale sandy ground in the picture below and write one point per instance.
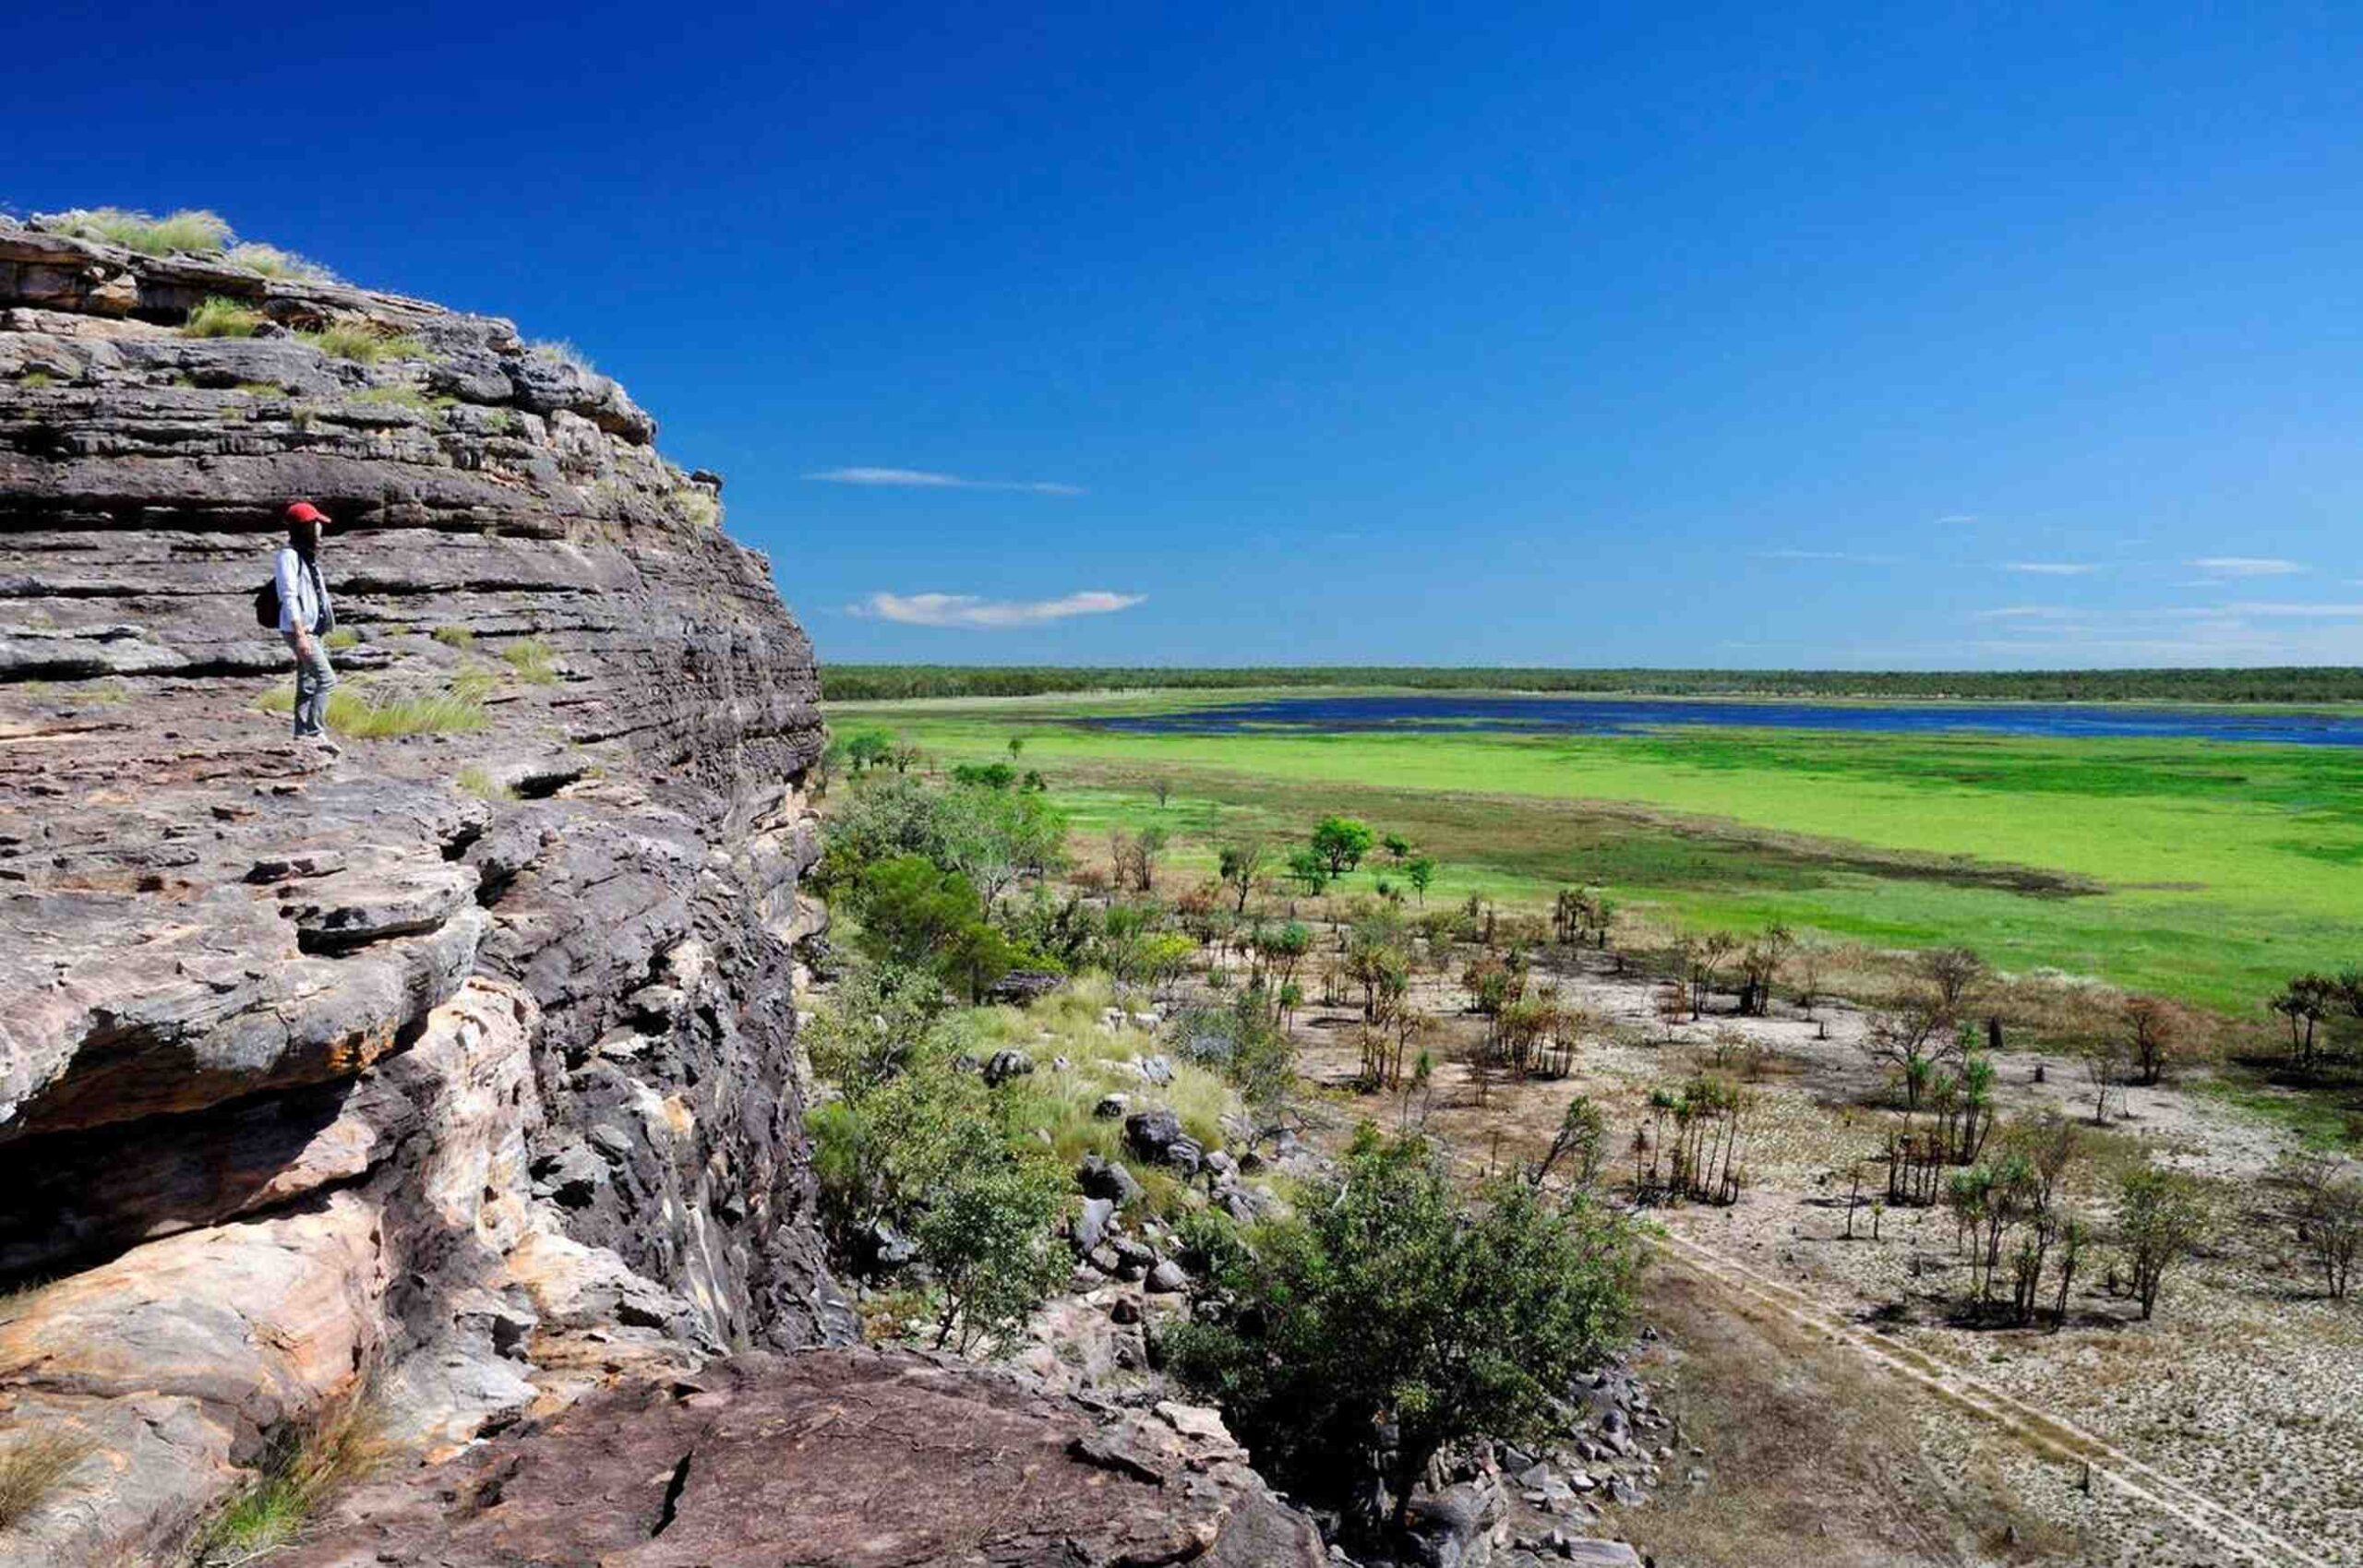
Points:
(2247, 1389)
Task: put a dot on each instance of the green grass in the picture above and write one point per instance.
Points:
(529, 657)
(454, 636)
(394, 397)
(2202, 870)
(360, 342)
(343, 637)
(217, 317)
(365, 715)
(188, 230)
(2318, 1118)
(696, 507)
(36, 378)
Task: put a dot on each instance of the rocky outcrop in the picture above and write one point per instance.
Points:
(462, 1063)
(851, 1458)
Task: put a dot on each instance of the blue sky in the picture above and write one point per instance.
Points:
(1854, 336)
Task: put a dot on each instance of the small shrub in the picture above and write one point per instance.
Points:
(190, 229)
(269, 261)
(36, 378)
(216, 316)
(365, 344)
(343, 637)
(529, 657)
(502, 421)
(474, 683)
(454, 636)
(32, 1468)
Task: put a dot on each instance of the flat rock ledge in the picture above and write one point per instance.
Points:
(845, 1457)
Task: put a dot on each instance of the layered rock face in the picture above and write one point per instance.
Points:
(462, 1064)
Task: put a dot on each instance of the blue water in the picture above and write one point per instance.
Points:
(1447, 713)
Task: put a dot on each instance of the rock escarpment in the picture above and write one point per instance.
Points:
(463, 1064)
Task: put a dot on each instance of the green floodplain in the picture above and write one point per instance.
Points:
(2205, 871)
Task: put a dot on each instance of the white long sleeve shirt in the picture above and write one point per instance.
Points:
(302, 597)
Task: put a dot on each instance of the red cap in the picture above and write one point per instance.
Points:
(304, 511)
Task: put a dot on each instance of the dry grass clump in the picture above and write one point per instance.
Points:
(454, 636)
(557, 351)
(696, 506)
(482, 784)
(32, 1468)
(190, 229)
(217, 317)
(269, 261)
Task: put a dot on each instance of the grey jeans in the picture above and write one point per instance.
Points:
(315, 679)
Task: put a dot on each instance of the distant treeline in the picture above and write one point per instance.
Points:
(858, 683)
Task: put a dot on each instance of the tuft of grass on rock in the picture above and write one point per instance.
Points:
(476, 782)
(190, 229)
(363, 344)
(302, 1470)
(33, 1466)
(454, 636)
(370, 716)
(696, 506)
(216, 316)
(269, 261)
(36, 378)
(343, 637)
(559, 352)
(529, 657)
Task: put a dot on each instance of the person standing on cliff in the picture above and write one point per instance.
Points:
(306, 619)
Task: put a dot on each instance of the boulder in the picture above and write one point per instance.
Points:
(1101, 1178)
(1006, 1064)
(1110, 1106)
(1091, 1223)
(1021, 987)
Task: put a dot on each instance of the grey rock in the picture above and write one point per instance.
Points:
(1110, 1106)
(1101, 1178)
(1168, 1280)
(1091, 1223)
(1006, 1064)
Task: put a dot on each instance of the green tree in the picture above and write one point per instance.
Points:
(1419, 871)
(1397, 848)
(1235, 863)
(2162, 1218)
(986, 1237)
(1307, 866)
(1342, 842)
(1389, 1302)
(865, 749)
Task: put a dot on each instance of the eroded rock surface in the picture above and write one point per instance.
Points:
(463, 1061)
(848, 1458)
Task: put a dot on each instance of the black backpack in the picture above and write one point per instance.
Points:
(267, 597)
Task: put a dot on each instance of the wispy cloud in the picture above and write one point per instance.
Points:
(2050, 568)
(920, 479)
(1847, 556)
(2284, 610)
(2023, 613)
(1955, 520)
(969, 612)
(2246, 565)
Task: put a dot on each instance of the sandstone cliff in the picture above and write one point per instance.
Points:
(463, 1064)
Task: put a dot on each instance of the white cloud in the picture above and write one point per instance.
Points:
(1955, 520)
(971, 613)
(920, 479)
(2022, 613)
(2049, 569)
(2246, 565)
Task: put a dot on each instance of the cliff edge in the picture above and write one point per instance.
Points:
(462, 1065)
